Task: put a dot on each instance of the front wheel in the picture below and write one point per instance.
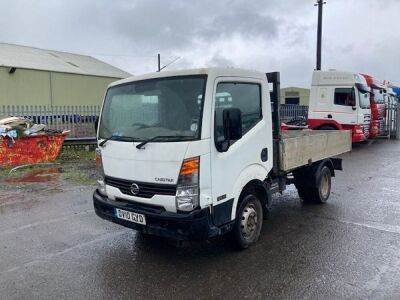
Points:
(249, 219)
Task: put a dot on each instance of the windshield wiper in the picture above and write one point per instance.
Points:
(117, 138)
(158, 137)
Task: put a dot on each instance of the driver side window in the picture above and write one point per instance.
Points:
(246, 97)
(345, 96)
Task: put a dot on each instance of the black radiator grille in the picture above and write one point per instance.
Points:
(146, 189)
(381, 126)
(366, 130)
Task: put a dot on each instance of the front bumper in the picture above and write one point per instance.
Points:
(358, 137)
(196, 225)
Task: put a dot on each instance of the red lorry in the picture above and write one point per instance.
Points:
(377, 103)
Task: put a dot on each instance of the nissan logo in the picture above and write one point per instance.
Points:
(135, 189)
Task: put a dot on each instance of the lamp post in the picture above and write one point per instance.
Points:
(320, 4)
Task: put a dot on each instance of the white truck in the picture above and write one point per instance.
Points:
(195, 154)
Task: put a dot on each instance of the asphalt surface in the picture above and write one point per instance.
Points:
(53, 246)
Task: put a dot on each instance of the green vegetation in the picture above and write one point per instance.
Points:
(71, 154)
(73, 166)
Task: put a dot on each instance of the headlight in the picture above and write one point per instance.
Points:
(187, 192)
(101, 186)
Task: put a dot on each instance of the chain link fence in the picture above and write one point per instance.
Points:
(78, 119)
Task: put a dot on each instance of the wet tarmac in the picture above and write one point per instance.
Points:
(53, 246)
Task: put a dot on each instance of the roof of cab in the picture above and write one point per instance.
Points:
(214, 72)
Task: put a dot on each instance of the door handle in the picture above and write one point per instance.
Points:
(264, 154)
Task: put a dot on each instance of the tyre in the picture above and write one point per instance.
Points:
(303, 192)
(249, 219)
(321, 193)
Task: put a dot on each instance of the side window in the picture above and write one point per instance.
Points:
(246, 97)
(345, 96)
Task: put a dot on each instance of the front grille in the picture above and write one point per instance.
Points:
(367, 121)
(382, 111)
(381, 126)
(141, 206)
(146, 189)
(366, 130)
(367, 118)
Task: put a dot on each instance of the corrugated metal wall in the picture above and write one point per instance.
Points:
(34, 87)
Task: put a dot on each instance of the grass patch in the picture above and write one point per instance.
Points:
(78, 177)
(71, 154)
(4, 172)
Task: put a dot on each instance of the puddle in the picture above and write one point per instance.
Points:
(35, 176)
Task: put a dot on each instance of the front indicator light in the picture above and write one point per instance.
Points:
(101, 186)
(187, 192)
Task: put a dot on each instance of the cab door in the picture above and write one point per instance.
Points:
(344, 105)
(243, 160)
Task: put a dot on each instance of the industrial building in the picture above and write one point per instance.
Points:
(295, 95)
(32, 76)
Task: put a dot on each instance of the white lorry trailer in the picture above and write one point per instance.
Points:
(194, 154)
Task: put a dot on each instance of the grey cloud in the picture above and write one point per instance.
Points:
(220, 61)
(171, 25)
(265, 35)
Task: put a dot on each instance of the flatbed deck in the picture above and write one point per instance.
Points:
(303, 147)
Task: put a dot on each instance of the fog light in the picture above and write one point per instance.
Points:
(101, 187)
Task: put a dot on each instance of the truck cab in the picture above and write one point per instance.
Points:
(340, 101)
(378, 109)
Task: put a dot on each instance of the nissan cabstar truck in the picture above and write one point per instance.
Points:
(195, 154)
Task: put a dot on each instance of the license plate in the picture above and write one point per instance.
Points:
(130, 216)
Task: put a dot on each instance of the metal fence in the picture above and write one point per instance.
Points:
(392, 125)
(78, 119)
(291, 112)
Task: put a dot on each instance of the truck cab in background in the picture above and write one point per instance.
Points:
(340, 101)
(378, 109)
(389, 96)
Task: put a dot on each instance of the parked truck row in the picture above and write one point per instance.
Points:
(349, 101)
(199, 153)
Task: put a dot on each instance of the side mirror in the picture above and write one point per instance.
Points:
(354, 108)
(96, 124)
(232, 121)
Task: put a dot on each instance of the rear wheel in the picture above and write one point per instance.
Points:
(249, 219)
(322, 191)
(303, 192)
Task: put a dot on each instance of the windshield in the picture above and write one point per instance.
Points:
(364, 98)
(378, 96)
(170, 107)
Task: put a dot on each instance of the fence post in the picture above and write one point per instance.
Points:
(398, 122)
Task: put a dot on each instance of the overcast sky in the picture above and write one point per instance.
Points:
(358, 35)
